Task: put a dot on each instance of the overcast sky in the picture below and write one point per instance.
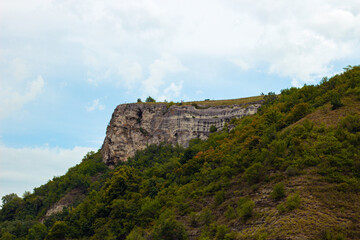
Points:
(66, 64)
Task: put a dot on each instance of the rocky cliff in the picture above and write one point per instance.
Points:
(134, 126)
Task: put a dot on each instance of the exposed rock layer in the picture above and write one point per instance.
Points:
(134, 126)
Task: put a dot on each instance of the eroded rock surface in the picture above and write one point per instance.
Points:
(75, 195)
(134, 126)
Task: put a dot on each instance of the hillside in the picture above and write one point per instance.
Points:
(291, 171)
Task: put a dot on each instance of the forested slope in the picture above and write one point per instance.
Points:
(292, 171)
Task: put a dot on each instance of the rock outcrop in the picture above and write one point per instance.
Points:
(134, 126)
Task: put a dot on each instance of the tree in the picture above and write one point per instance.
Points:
(139, 100)
(37, 232)
(7, 236)
(58, 231)
(270, 98)
(149, 99)
(253, 173)
(8, 198)
(213, 128)
(171, 229)
(335, 101)
(11, 203)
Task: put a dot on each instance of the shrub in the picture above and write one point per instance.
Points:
(213, 128)
(206, 216)
(278, 191)
(170, 229)
(168, 105)
(136, 234)
(7, 236)
(150, 208)
(253, 173)
(291, 171)
(230, 213)
(297, 112)
(194, 219)
(37, 231)
(293, 201)
(221, 231)
(219, 198)
(245, 209)
(335, 101)
(281, 208)
(351, 123)
(150, 99)
(60, 230)
(270, 98)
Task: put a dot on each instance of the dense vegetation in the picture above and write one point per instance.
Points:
(292, 170)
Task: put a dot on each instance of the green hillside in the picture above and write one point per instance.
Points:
(292, 171)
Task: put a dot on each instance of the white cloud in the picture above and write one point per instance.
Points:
(171, 92)
(242, 64)
(96, 105)
(199, 92)
(130, 72)
(297, 39)
(12, 98)
(22, 169)
(159, 69)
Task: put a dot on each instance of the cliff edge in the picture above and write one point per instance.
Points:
(134, 126)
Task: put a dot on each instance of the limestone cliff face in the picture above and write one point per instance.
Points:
(134, 126)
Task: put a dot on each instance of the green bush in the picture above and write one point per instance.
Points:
(136, 234)
(253, 173)
(170, 229)
(291, 171)
(219, 198)
(293, 201)
(213, 128)
(297, 112)
(37, 232)
(194, 219)
(245, 209)
(278, 191)
(351, 123)
(150, 99)
(335, 101)
(206, 216)
(221, 231)
(7, 236)
(60, 230)
(230, 213)
(281, 208)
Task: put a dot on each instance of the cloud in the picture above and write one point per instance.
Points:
(12, 99)
(199, 92)
(159, 69)
(171, 92)
(115, 40)
(95, 106)
(130, 72)
(22, 169)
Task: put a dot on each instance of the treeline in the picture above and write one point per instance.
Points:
(170, 192)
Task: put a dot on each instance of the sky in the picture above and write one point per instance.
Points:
(66, 64)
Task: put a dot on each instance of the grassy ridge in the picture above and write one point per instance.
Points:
(211, 103)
